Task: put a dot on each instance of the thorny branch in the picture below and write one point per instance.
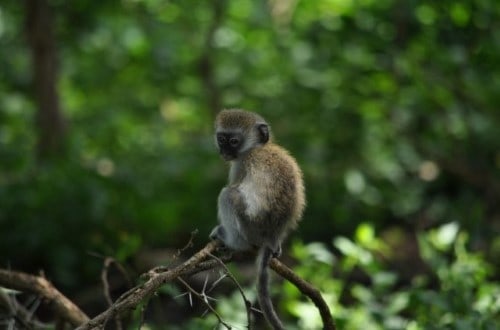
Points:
(130, 299)
(153, 280)
(248, 303)
(203, 297)
(19, 316)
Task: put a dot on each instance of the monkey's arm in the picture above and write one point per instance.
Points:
(235, 198)
(231, 213)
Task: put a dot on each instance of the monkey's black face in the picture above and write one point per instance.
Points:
(229, 144)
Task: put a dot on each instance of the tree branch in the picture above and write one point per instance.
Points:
(307, 289)
(62, 306)
(135, 296)
(154, 279)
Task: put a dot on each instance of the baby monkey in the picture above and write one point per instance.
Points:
(264, 198)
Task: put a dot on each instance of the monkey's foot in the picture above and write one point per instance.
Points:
(277, 252)
(217, 234)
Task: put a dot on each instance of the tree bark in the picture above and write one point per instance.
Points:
(50, 122)
(206, 66)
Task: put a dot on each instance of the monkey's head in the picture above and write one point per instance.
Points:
(238, 131)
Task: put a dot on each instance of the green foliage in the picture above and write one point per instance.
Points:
(457, 291)
(467, 297)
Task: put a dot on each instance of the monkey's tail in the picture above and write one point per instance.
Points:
(263, 289)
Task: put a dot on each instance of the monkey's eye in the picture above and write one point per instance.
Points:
(234, 142)
(221, 139)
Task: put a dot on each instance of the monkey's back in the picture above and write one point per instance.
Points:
(274, 190)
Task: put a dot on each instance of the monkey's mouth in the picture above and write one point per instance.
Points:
(227, 156)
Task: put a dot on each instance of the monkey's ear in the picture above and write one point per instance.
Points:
(263, 130)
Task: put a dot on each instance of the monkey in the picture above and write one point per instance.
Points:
(264, 198)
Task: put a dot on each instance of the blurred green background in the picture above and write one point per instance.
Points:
(390, 107)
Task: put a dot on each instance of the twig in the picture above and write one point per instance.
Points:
(163, 268)
(108, 261)
(203, 297)
(248, 304)
(143, 312)
(187, 246)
